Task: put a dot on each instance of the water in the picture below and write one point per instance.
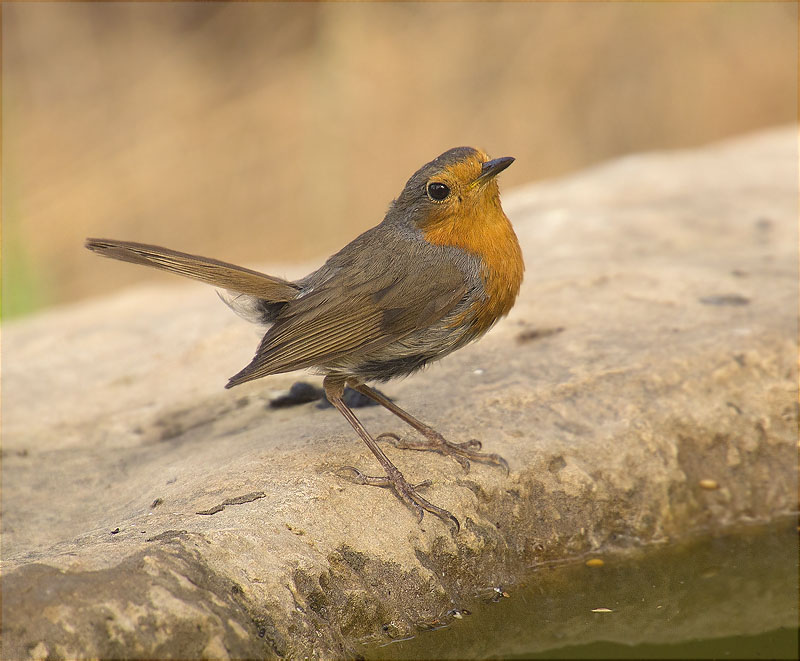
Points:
(722, 597)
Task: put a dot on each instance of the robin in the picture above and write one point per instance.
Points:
(436, 274)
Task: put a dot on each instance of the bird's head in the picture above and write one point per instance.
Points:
(455, 189)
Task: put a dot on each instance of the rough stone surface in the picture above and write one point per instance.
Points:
(653, 348)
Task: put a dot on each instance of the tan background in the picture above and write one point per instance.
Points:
(276, 132)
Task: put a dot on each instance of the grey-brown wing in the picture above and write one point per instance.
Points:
(336, 321)
(210, 271)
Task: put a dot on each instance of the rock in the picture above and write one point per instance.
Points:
(642, 390)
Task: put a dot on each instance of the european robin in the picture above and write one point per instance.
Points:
(437, 273)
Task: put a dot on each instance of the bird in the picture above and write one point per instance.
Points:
(437, 273)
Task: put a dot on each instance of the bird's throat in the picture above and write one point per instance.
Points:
(486, 233)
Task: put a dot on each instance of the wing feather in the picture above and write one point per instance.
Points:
(336, 320)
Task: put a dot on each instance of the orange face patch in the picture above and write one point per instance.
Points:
(472, 219)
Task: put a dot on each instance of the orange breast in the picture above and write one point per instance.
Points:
(484, 230)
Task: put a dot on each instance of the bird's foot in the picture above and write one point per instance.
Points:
(463, 453)
(405, 491)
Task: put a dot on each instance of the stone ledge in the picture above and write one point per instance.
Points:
(651, 356)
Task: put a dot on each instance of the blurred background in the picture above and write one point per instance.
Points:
(276, 132)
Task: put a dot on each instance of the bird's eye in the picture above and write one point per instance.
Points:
(438, 191)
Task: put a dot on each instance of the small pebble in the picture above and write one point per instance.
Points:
(725, 299)
(299, 393)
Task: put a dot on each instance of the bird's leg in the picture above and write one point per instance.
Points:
(435, 442)
(407, 493)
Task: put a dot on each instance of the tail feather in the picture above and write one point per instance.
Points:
(211, 271)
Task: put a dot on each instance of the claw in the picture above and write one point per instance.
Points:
(396, 441)
(360, 478)
(355, 473)
(463, 461)
(501, 462)
(455, 522)
(463, 453)
(403, 490)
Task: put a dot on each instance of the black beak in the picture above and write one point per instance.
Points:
(492, 168)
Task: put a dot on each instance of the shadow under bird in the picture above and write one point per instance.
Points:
(436, 274)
